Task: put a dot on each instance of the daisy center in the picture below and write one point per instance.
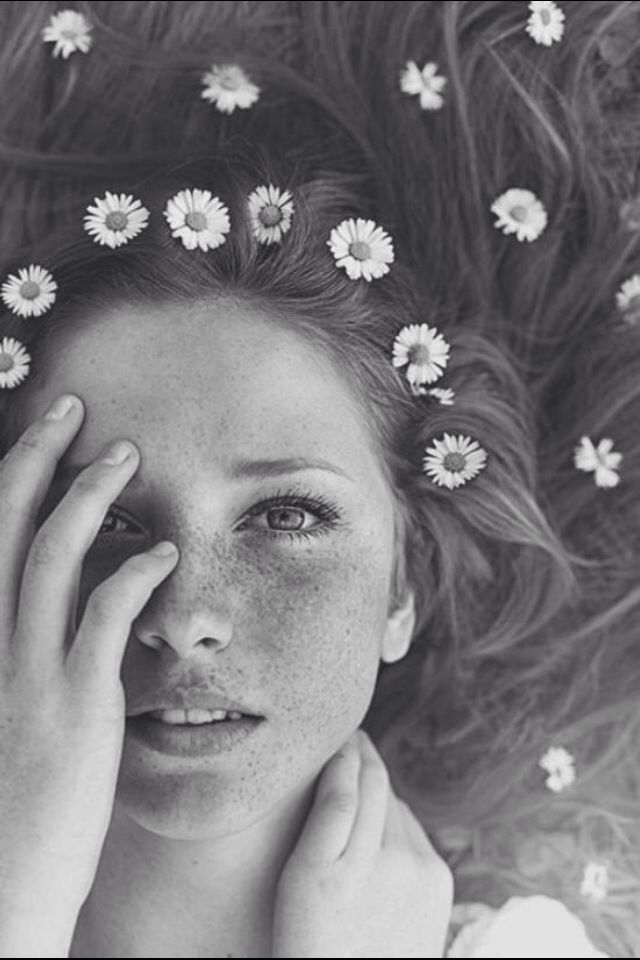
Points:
(228, 82)
(116, 220)
(454, 461)
(633, 305)
(359, 250)
(420, 353)
(29, 290)
(270, 215)
(195, 220)
(6, 362)
(519, 212)
(69, 34)
(545, 17)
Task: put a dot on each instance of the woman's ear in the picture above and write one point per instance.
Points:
(398, 634)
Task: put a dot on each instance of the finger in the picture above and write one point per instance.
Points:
(96, 654)
(328, 825)
(54, 562)
(395, 828)
(374, 790)
(26, 473)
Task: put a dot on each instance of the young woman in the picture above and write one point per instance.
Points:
(278, 249)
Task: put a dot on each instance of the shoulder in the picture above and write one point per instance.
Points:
(532, 926)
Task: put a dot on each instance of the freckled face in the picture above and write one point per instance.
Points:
(279, 605)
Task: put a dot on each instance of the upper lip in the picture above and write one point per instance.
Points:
(200, 701)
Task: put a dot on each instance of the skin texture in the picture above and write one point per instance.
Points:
(292, 627)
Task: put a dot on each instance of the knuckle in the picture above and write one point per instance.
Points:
(103, 605)
(88, 483)
(45, 549)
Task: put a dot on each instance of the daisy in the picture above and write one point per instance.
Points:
(115, 219)
(451, 461)
(559, 764)
(425, 83)
(595, 881)
(228, 86)
(198, 218)
(520, 212)
(270, 212)
(546, 22)
(443, 395)
(630, 214)
(14, 363)
(70, 31)
(628, 300)
(31, 292)
(600, 459)
(423, 351)
(362, 248)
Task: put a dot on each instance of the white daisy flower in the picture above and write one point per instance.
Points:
(560, 765)
(451, 461)
(14, 363)
(595, 881)
(628, 300)
(601, 460)
(443, 395)
(425, 83)
(630, 214)
(115, 220)
(270, 212)
(227, 86)
(362, 248)
(519, 211)
(30, 292)
(423, 351)
(70, 31)
(198, 218)
(546, 22)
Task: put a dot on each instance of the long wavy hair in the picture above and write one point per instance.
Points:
(526, 579)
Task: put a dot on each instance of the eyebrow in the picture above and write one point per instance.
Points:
(239, 469)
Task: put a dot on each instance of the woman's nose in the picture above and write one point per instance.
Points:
(189, 612)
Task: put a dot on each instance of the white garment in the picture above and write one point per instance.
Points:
(533, 926)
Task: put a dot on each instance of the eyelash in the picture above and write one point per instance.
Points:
(326, 511)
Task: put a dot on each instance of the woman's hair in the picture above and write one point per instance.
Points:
(525, 579)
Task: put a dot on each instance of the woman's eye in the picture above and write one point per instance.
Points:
(293, 517)
(115, 521)
(285, 518)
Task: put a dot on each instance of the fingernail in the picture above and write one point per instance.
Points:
(164, 549)
(118, 452)
(61, 407)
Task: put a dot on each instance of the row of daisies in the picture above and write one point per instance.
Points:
(360, 247)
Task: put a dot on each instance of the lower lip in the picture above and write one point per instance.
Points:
(191, 740)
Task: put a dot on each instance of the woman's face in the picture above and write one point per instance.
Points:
(283, 608)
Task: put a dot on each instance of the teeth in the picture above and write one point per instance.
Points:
(194, 715)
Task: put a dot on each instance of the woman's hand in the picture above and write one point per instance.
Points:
(363, 879)
(62, 711)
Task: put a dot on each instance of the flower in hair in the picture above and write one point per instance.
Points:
(560, 766)
(361, 248)
(198, 219)
(451, 461)
(270, 212)
(601, 460)
(630, 214)
(426, 84)
(70, 31)
(519, 211)
(595, 881)
(31, 292)
(14, 363)
(628, 300)
(546, 22)
(227, 86)
(115, 220)
(443, 395)
(423, 351)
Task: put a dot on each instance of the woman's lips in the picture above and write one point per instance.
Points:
(191, 739)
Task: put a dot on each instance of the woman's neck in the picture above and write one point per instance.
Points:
(159, 897)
